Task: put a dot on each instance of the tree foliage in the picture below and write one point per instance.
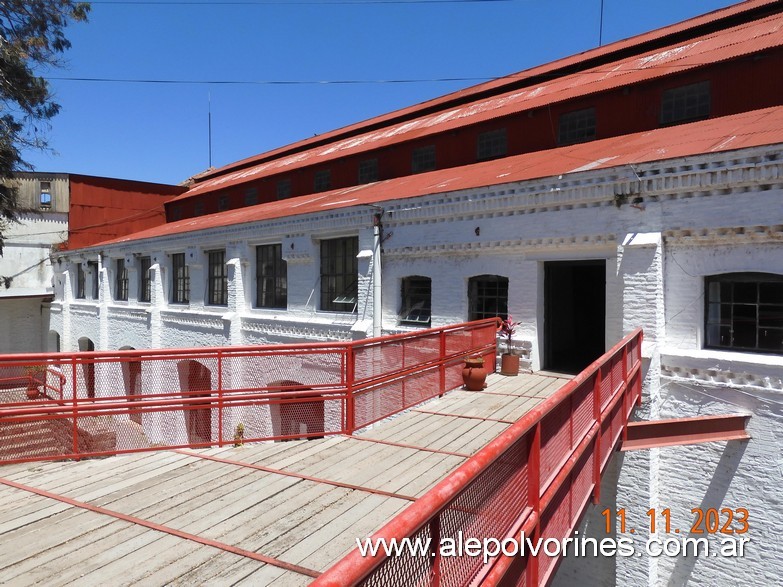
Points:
(32, 40)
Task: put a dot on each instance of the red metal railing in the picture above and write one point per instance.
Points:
(537, 477)
(102, 403)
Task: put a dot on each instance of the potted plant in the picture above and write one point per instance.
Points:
(509, 362)
(474, 375)
(34, 374)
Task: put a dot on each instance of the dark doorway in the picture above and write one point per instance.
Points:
(574, 314)
(88, 366)
(300, 417)
(193, 378)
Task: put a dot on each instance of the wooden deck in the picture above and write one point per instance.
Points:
(264, 514)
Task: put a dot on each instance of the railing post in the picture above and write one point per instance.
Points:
(435, 550)
(350, 412)
(534, 495)
(597, 441)
(220, 397)
(75, 388)
(442, 357)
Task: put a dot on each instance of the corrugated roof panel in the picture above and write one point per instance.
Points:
(749, 129)
(741, 40)
(566, 62)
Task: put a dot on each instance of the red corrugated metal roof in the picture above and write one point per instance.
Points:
(726, 44)
(499, 83)
(749, 129)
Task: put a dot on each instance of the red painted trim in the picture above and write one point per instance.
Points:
(296, 475)
(403, 445)
(161, 528)
(465, 417)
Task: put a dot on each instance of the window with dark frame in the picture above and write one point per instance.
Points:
(176, 213)
(93, 266)
(45, 197)
(283, 189)
(686, 103)
(416, 299)
(145, 280)
(80, 282)
(271, 277)
(222, 203)
(368, 171)
(423, 159)
(322, 180)
(576, 127)
(180, 280)
(121, 286)
(251, 197)
(339, 274)
(217, 279)
(492, 144)
(487, 297)
(198, 208)
(744, 312)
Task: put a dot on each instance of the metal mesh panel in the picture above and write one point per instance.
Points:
(405, 569)
(617, 372)
(555, 441)
(582, 484)
(582, 406)
(487, 507)
(555, 523)
(385, 400)
(516, 576)
(606, 385)
(454, 376)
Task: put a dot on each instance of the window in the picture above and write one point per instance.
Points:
(251, 197)
(222, 203)
(487, 297)
(323, 180)
(80, 282)
(217, 281)
(691, 102)
(492, 144)
(180, 280)
(176, 213)
(271, 277)
(423, 159)
(145, 282)
(45, 199)
(283, 189)
(93, 266)
(416, 300)
(121, 285)
(576, 127)
(368, 171)
(198, 208)
(339, 274)
(744, 311)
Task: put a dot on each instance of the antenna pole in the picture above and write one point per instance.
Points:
(209, 125)
(601, 26)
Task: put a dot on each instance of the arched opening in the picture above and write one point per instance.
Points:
(193, 378)
(88, 366)
(300, 417)
(131, 375)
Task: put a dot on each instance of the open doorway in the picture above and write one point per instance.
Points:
(574, 314)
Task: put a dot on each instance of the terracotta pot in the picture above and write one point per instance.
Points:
(474, 375)
(33, 393)
(509, 364)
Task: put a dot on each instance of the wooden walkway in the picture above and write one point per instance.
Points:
(265, 514)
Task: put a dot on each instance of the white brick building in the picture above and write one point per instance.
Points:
(671, 222)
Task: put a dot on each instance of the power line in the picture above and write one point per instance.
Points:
(286, 2)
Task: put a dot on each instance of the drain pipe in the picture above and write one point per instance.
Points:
(377, 311)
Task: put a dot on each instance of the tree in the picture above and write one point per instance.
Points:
(32, 39)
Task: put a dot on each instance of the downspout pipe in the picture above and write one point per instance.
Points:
(377, 309)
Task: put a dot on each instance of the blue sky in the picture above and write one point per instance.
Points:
(158, 131)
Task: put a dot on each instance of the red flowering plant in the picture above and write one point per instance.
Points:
(507, 328)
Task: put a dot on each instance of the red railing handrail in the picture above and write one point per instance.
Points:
(354, 567)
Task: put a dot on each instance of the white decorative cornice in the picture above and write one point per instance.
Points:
(735, 235)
